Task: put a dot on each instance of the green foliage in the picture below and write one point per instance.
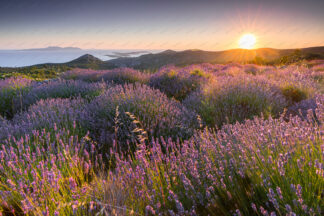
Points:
(111, 115)
(147, 154)
(172, 74)
(296, 56)
(258, 60)
(199, 73)
(251, 69)
(39, 72)
(234, 101)
(294, 94)
(54, 189)
(178, 84)
(9, 97)
(233, 106)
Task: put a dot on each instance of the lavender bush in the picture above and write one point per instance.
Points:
(124, 75)
(118, 111)
(55, 145)
(235, 99)
(60, 89)
(12, 90)
(295, 77)
(46, 174)
(117, 76)
(46, 114)
(317, 74)
(178, 83)
(261, 167)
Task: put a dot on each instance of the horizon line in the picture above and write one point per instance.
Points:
(144, 49)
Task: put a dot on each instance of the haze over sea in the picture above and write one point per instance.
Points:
(20, 58)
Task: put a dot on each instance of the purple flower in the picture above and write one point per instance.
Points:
(149, 210)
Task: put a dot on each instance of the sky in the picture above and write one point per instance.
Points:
(160, 24)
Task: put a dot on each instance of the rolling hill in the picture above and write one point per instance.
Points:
(268, 55)
(178, 58)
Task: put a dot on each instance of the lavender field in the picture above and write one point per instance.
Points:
(197, 140)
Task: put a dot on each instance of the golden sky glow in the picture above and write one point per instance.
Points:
(169, 24)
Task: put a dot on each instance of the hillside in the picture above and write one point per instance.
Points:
(178, 58)
(85, 61)
(187, 57)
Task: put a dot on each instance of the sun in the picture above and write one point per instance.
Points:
(247, 41)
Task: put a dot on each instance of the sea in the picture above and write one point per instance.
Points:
(21, 58)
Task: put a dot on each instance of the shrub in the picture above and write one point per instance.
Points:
(46, 174)
(295, 77)
(87, 75)
(61, 89)
(12, 90)
(49, 164)
(318, 67)
(125, 75)
(111, 115)
(178, 83)
(45, 114)
(261, 167)
(235, 99)
(319, 77)
(117, 76)
(293, 93)
(251, 69)
(199, 73)
(231, 70)
(302, 108)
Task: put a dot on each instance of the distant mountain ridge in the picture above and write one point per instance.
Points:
(54, 48)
